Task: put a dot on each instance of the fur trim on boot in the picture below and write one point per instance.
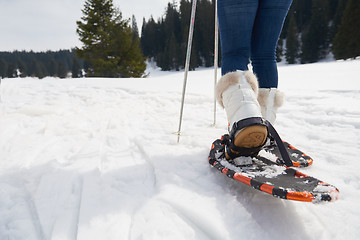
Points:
(270, 99)
(233, 78)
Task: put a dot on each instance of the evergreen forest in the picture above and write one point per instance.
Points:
(62, 64)
(313, 30)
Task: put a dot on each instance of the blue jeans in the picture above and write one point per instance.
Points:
(250, 29)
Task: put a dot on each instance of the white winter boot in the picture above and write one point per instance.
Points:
(270, 99)
(237, 93)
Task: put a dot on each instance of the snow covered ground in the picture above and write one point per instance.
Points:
(97, 159)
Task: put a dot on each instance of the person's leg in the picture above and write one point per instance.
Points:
(268, 24)
(236, 19)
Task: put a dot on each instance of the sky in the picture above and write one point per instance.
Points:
(42, 25)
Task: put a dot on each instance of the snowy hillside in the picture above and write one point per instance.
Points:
(97, 159)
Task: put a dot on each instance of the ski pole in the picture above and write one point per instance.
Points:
(187, 63)
(216, 55)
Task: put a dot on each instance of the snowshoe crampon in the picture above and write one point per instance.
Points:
(272, 177)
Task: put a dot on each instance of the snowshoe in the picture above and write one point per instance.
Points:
(272, 177)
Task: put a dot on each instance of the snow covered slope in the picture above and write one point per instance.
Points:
(97, 159)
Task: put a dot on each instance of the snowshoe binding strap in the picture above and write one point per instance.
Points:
(284, 154)
(247, 122)
(234, 150)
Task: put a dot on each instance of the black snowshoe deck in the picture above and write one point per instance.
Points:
(267, 174)
(298, 158)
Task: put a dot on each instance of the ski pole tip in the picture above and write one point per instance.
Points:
(178, 138)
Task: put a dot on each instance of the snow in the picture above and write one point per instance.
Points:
(239, 161)
(97, 158)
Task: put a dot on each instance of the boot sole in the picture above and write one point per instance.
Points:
(250, 137)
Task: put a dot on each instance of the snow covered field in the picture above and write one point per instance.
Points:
(97, 159)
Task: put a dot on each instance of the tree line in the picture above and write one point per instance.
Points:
(313, 30)
(165, 40)
(112, 47)
(62, 64)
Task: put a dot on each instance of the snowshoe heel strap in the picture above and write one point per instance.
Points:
(284, 153)
(233, 150)
(247, 122)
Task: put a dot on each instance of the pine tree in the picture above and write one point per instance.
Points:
(205, 29)
(302, 12)
(10, 72)
(61, 70)
(126, 53)
(36, 70)
(21, 67)
(3, 68)
(336, 19)
(279, 50)
(172, 53)
(315, 38)
(150, 38)
(52, 67)
(292, 41)
(346, 43)
(169, 57)
(134, 27)
(108, 42)
(75, 71)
